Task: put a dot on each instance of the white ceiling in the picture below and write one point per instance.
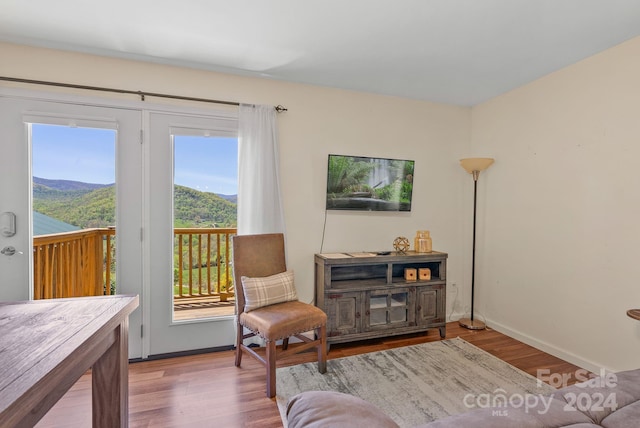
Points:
(459, 52)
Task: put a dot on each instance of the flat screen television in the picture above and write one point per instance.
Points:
(369, 184)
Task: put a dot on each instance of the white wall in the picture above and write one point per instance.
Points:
(558, 262)
(319, 121)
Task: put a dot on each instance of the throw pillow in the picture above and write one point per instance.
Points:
(260, 292)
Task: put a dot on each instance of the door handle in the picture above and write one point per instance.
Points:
(8, 251)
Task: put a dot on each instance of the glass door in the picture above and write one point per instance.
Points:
(75, 187)
(192, 188)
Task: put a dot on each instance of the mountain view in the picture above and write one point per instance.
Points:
(89, 205)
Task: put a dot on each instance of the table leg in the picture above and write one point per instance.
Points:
(110, 383)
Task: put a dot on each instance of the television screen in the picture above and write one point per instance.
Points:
(369, 184)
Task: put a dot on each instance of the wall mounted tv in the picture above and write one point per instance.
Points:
(369, 184)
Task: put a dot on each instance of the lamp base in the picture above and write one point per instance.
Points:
(472, 324)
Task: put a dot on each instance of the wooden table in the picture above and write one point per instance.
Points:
(46, 345)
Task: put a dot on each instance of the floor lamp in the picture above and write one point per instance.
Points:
(473, 166)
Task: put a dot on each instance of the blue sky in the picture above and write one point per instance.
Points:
(80, 154)
(207, 164)
(88, 155)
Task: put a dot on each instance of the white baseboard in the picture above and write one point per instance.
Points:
(453, 316)
(550, 349)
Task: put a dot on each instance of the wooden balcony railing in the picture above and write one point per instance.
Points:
(73, 264)
(203, 263)
(82, 263)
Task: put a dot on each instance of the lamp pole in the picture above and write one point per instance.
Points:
(474, 166)
(473, 251)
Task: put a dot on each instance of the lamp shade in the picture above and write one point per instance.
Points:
(476, 164)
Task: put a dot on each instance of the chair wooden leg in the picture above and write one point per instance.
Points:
(271, 369)
(322, 349)
(239, 341)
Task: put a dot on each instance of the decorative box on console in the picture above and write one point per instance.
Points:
(424, 274)
(410, 274)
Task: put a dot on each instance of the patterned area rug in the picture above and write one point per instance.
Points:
(413, 384)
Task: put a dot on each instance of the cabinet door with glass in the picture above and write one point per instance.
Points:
(389, 308)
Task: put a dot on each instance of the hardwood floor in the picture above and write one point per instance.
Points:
(207, 390)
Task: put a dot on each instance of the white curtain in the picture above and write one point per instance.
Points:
(259, 196)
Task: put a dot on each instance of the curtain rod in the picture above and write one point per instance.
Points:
(142, 94)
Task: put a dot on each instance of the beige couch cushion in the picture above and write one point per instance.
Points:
(322, 409)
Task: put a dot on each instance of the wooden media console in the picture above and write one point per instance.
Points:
(366, 295)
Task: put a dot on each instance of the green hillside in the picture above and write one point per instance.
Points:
(201, 209)
(68, 184)
(82, 208)
(96, 208)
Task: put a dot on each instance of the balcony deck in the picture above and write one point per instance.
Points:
(202, 307)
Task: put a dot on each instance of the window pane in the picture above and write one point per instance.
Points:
(73, 172)
(205, 217)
